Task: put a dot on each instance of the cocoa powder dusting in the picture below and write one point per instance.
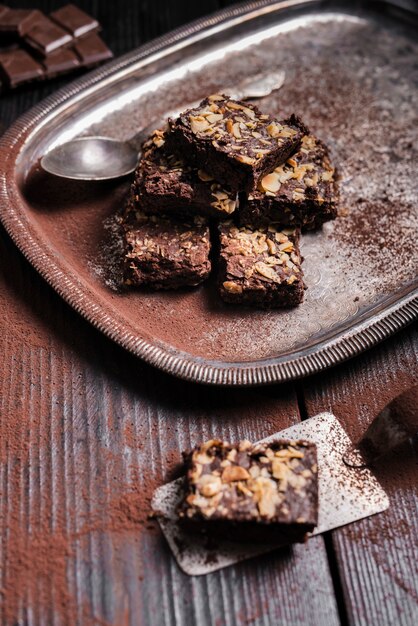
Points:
(38, 548)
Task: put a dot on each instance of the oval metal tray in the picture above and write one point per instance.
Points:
(351, 75)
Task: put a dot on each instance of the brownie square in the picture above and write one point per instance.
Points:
(163, 253)
(261, 493)
(260, 267)
(233, 141)
(165, 183)
(301, 192)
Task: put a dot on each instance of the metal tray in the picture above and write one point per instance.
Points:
(351, 74)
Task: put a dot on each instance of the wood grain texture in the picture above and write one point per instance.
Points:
(101, 430)
(377, 557)
(97, 430)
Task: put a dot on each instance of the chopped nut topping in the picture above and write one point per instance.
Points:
(236, 126)
(198, 124)
(232, 287)
(243, 158)
(267, 272)
(209, 485)
(271, 182)
(234, 473)
(263, 480)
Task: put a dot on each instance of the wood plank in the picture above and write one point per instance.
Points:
(377, 557)
(94, 430)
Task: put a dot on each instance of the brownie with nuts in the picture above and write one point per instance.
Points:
(163, 253)
(260, 267)
(233, 141)
(261, 493)
(166, 183)
(301, 192)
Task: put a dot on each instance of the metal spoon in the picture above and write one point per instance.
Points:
(103, 158)
(397, 423)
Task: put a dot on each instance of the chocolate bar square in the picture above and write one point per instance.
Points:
(17, 66)
(74, 20)
(91, 50)
(45, 36)
(18, 21)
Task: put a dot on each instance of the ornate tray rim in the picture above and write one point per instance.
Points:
(347, 343)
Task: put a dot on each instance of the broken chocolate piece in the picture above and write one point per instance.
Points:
(17, 66)
(74, 20)
(46, 36)
(92, 50)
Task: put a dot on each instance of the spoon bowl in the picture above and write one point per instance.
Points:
(91, 158)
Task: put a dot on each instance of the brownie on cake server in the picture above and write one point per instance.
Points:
(260, 267)
(165, 183)
(162, 253)
(301, 192)
(233, 141)
(259, 493)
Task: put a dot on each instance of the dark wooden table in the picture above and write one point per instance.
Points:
(87, 432)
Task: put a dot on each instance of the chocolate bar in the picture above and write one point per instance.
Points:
(17, 66)
(17, 22)
(92, 50)
(39, 47)
(258, 493)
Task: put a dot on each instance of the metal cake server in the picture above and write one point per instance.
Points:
(348, 490)
(397, 423)
(346, 494)
(103, 158)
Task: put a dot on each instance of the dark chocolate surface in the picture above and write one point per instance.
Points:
(260, 267)
(302, 192)
(60, 61)
(45, 36)
(164, 182)
(18, 21)
(92, 49)
(33, 46)
(234, 141)
(74, 20)
(17, 66)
